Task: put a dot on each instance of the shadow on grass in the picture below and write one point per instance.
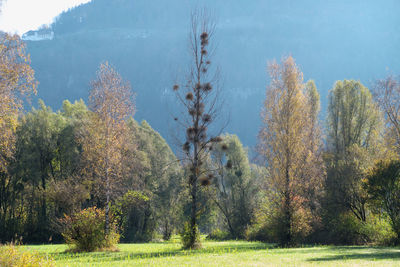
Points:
(126, 255)
(360, 253)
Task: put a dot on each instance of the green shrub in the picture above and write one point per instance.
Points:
(85, 231)
(267, 226)
(12, 256)
(186, 237)
(378, 230)
(257, 232)
(346, 229)
(219, 235)
(263, 231)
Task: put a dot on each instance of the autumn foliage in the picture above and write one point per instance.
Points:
(85, 231)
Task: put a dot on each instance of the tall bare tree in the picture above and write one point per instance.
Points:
(288, 145)
(111, 101)
(199, 99)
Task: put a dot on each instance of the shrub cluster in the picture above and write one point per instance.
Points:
(186, 237)
(85, 231)
(219, 235)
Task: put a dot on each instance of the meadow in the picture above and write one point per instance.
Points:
(227, 253)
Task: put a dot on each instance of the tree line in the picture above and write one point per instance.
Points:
(312, 182)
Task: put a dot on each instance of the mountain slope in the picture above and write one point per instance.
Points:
(147, 43)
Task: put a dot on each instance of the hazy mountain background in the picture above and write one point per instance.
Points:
(146, 40)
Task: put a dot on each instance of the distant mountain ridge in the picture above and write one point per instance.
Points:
(147, 43)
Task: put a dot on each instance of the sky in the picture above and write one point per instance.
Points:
(20, 16)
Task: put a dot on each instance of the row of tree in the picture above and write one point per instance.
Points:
(58, 163)
(340, 184)
(326, 190)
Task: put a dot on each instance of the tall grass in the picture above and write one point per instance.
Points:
(13, 256)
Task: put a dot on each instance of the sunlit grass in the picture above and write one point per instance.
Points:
(228, 253)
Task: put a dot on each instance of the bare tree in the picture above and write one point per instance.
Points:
(199, 98)
(111, 101)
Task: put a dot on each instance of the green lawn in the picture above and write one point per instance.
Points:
(229, 253)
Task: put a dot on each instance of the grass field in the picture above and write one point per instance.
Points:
(229, 253)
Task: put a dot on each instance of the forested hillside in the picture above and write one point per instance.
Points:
(147, 42)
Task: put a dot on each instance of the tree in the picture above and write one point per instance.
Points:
(153, 170)
(315, 171)
(16, 79)
(164, 179)
(353, 142)
(200, 102)
(387, 95)
(383, 186)
(111, 101)
(288, 144)
(46, 166)
(36, 163)
(353, 117)
(133, 212)
(67, 191)
(235, 186)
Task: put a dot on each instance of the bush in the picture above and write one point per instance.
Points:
(85, 231)
(346, 229)
(219, 235)
(257, 232)
(11, 256)
(379, 230)
(265, 231)
(186, 237)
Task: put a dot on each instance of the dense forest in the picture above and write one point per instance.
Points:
(335, 180)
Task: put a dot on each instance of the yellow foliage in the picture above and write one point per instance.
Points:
(17, 78)
(13, 256)
(290, 141)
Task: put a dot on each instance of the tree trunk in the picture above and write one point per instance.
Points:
(193, 222)
(107, 211)
(287, 211)
(108, 191)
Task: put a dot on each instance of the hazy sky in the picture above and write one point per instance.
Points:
(20, 16)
